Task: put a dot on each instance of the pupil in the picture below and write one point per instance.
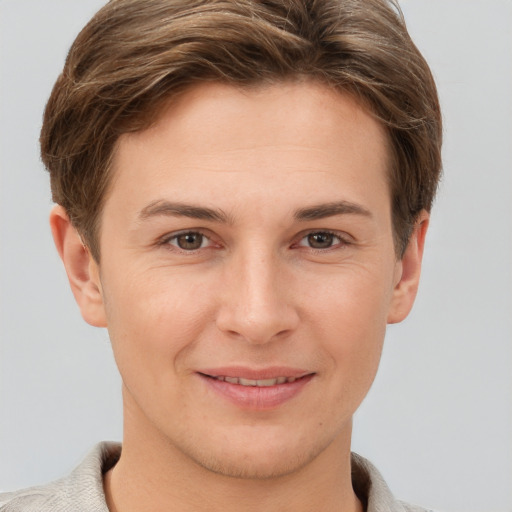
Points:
(320, 240)
(190, 241)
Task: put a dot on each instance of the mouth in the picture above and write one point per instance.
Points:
(261, 383)
(257, 390)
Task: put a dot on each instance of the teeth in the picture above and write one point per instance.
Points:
(248, 382)
(260, 382)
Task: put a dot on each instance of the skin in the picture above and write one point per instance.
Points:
(266, 286)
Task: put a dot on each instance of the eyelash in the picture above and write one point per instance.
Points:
(342, 240)
(168, 239)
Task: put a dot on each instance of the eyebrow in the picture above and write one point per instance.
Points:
(322, 211)
(315, 212)
(167, 208)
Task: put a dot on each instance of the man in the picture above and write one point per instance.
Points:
(243, 191)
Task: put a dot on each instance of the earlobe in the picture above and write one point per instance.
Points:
(82, 270)
(409, 268)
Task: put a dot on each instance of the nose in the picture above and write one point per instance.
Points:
(256, 299)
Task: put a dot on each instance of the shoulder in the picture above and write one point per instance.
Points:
(41, 499)
(407, 507)
(373, 491)
(81, 491)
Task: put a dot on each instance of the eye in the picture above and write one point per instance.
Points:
(189, 241)
(321, 240)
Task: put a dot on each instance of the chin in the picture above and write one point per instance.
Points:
(265, 466)
(258, 459)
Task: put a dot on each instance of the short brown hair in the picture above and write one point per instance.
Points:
(135, 54)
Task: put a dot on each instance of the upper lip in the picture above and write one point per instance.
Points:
(240, 372)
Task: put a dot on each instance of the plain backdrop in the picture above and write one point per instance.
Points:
(438, 421)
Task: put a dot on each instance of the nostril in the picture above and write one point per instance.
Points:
(257, 329)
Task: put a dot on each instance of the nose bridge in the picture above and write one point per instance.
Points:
(256, 306)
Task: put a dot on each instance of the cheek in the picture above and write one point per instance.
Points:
(353, 300)
(155, 321)
(350, 317)
(355, 335)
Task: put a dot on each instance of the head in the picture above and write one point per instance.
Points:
(251, 182)
(135, 56)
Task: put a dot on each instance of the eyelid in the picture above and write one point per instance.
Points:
(345, 238)
(166, 239)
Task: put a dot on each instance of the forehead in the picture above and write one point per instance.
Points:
(290, 106)
(291, 137)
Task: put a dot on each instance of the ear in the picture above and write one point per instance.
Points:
(408, 272)
(81, 268)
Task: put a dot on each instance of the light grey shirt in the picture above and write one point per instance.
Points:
(82, 490)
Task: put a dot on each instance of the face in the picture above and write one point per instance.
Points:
(247, 274)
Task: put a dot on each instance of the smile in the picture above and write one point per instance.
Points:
(256, 390)
(262, 383)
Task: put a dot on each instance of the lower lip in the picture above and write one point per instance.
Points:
(255, 397)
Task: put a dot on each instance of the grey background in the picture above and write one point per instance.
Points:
(438, 421)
